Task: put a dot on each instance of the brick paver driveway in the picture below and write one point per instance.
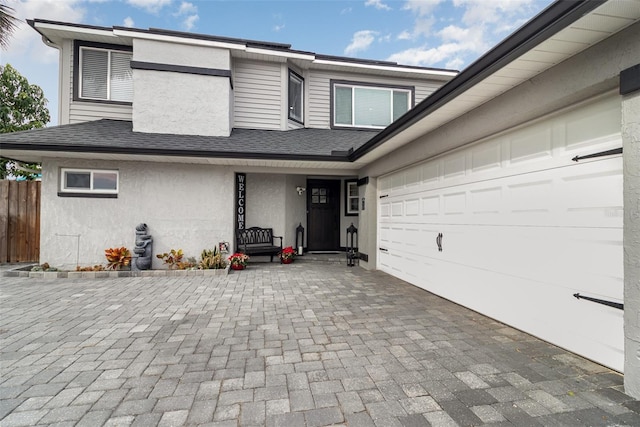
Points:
(303, 344)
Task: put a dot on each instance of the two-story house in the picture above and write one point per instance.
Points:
(156, 125)
(513, 189)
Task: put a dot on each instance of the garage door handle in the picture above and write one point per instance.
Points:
(439, 242)
(383, 250)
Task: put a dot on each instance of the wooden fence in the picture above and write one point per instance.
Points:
(19, 221)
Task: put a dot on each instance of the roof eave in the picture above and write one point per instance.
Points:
(337, 157)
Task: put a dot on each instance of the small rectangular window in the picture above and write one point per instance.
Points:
(351, 197)
(296, 97)
(89, 181)
(368, 106)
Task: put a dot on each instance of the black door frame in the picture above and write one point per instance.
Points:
(335, 184)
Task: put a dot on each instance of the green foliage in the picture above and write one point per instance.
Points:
(22, 107)
(8, 24)
(174, 260)
(211, 259)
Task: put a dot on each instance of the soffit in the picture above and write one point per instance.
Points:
(601, 23)
(58, 33)
(325, 167)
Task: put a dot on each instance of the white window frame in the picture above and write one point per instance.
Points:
(295, 76)
(350, 187)
(109, 53)
(91, 189)
(354, 86)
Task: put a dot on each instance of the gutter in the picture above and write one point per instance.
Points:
(547, 23)
(335, 156)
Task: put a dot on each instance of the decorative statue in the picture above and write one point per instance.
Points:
(143, 249)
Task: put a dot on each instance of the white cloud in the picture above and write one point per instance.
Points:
(421, 7)
(128, 22)
(277, 28)
(151, 6)
(190, 22)
(26, 42)
(489, 12)
(425, 56)
(346, 10)
(377, 4)
(191, 10)
(187, 8)
(405, 35)
(477, 26)
(360, 41)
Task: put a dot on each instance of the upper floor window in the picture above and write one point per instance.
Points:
(365, 106)
(296, 92)
(105, 74)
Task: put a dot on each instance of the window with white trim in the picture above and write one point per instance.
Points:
(296, 96)
(105, 75)
(91, 181)
(364, 106)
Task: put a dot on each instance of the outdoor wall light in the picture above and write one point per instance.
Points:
(300, 190)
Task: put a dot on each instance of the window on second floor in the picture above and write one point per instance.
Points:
(296, 96)
(105, 74)
(365, 106)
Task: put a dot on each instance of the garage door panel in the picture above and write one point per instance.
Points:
(523, 228)
(532, 145)
(486, 157)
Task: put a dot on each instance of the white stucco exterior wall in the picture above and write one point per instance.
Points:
(181, 102)
(185, 206)
(266, 201)
(368, 221)
(631, 171)
(295, 209)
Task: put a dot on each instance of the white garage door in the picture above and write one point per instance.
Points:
(523, 228)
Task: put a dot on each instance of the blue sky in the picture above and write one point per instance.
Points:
(431, 33)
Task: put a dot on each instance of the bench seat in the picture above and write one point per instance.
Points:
(258, 241)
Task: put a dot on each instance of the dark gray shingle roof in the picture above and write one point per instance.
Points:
(116, 136)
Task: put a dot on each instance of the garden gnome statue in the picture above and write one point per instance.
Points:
(144, 245)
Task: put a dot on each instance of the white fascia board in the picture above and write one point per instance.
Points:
(79, 30)
(398, 68)
(292, 55)
(181, 40)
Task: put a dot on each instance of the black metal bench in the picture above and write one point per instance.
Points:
(258, 241)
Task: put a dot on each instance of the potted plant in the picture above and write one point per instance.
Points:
(238, 261)
(287, 255)
(118, 258)
(211, 259)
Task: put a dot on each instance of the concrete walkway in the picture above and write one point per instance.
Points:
(307, 344)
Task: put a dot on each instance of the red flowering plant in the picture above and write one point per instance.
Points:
(287, 254)
(238, 259)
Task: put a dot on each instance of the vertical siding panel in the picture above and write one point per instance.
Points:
(4, 220)
(82, 111)
(258, 95)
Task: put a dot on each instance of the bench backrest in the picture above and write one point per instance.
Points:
(255, 235)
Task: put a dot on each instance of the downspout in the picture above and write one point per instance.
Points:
(49, 43)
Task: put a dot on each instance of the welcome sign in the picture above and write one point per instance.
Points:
(241, 185)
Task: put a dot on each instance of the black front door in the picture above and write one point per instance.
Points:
(323, 215)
